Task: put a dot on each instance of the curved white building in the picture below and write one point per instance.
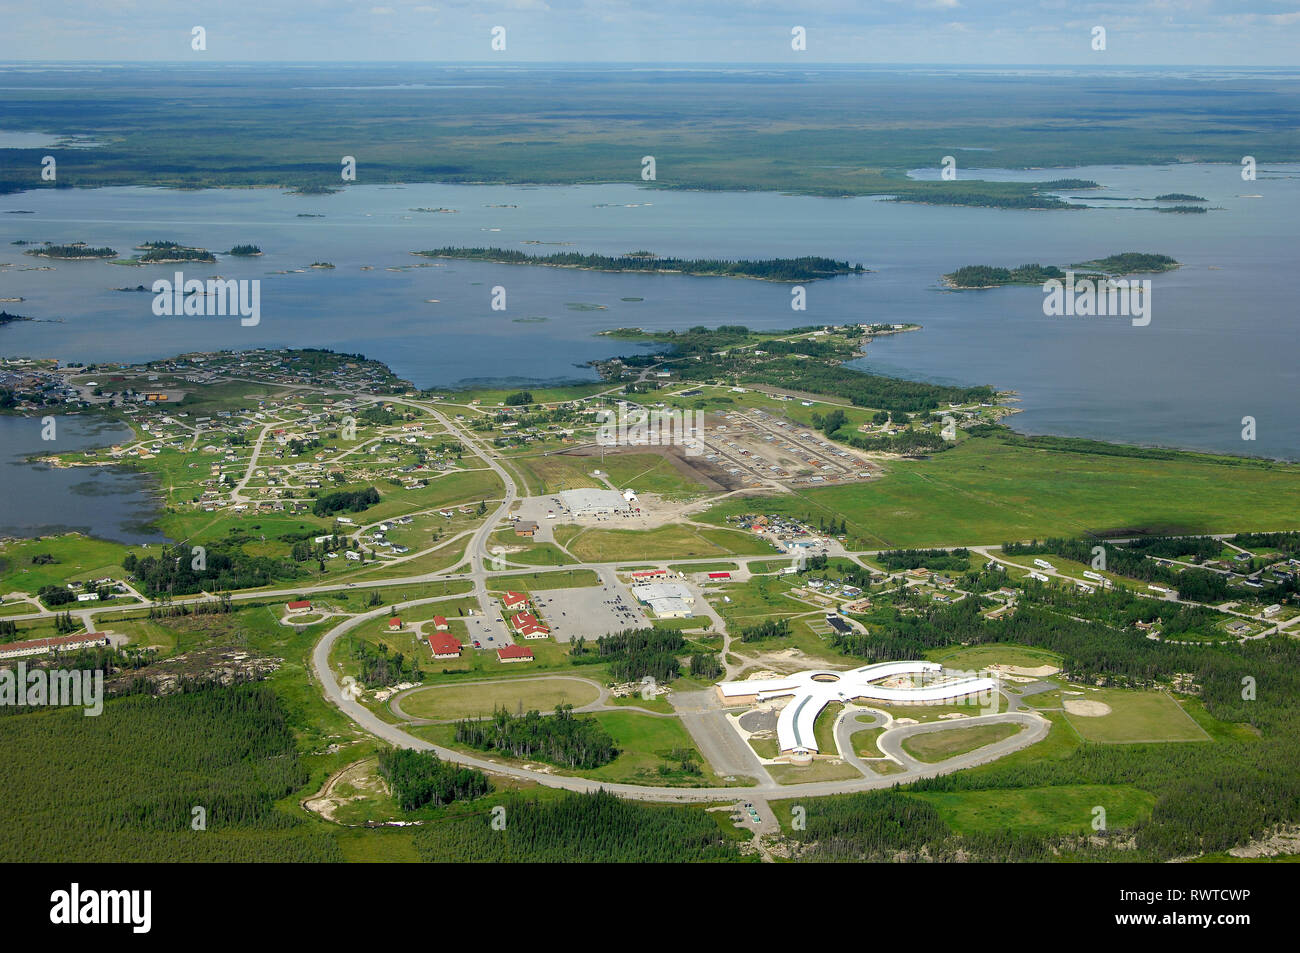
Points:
(814, 690)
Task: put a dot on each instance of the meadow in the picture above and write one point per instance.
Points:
(988, 490)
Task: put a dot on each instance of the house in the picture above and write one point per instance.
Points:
(514, 653)
(439, 623)
(394, 624)
(513, 600)
(526, 528)
(444, 645)
(302, 605)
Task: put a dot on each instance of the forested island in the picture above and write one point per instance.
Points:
(72, 252)
(807, 268)
(171, 253)
(7, 318)
(955, 193)
(992, 276)
(245, 251)
(791, 360)
(1178, 197)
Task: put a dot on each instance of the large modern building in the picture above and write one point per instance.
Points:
(667, 600)
(812, 691)
(594, 502)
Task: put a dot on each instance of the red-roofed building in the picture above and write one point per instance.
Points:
(719, 575)
(523, 620)
(440, 623)
(302, 605)
(536, 631)
(649, 573)
(444, 645)
(58, 643)
(514, 653)
(394, 624)
(513, 600)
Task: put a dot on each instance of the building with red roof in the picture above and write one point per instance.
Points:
(440, 623)
(445, 645)
(394, 624)
(302, 605)
(512, 600)
(515, 653)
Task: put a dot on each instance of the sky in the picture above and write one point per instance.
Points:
(1239, 33)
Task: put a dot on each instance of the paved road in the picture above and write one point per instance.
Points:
(1036, 724)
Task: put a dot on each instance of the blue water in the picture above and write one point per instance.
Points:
(1220, 345)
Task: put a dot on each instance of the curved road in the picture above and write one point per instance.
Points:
(1036, 724)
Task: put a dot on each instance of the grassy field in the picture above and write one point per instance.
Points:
(459, 701)
(1067, 809)
(938, 746)
(989, 491)
(819, 770)
(667, 542)
(541, 581)
(649, 473)
(824, 728)
(978, 657)
(864, 742)
(76, 557)
(645, 743)
(1135, 716)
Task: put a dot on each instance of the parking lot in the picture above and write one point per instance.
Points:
(490, 633)
(589, 612)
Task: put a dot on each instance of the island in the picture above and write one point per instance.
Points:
(169, 253)
(977, 277)
(807, 268)
(245, 251)
(76, 251)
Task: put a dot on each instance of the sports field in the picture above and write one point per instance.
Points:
(527, 694)
(1133, 716)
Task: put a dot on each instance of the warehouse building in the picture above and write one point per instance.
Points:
(594, 502)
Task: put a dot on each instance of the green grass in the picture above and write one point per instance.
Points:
(541, 581)
(990, 491)
(975, 658)
(666, 542)
(458, 701)
(1065, 809)
(649, 473)
(77, 558)
(819, 770)
(936, 746)
(824, 728)
(1135, 716)
(864, 742)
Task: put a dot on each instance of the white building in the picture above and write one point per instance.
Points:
(588, 502)
(811, 691)
(647, 591)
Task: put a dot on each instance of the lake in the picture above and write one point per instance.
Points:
(40, 500)
(1220, 345)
